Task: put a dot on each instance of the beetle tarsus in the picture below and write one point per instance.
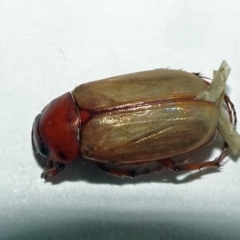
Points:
(53, 171)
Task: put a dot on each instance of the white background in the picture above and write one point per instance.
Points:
(49, 47)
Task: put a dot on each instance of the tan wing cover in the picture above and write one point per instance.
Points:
(149, 133)
(138, 88)
(153, 115)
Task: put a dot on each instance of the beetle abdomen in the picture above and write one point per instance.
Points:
(151, 131)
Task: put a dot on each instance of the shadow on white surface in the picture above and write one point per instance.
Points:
(131, 226)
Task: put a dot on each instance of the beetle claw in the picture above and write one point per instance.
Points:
(52, 172)
(49, 173)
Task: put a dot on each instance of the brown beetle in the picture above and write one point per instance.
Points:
(134, 120)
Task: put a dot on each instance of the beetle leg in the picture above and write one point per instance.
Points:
(198, 166)
(231, 111)
(52, 169)
(49, 164)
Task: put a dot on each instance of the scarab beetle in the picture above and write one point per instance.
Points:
(134, 120)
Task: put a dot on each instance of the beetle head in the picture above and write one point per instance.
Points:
(55, 133)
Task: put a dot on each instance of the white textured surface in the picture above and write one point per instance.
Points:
(49, 47)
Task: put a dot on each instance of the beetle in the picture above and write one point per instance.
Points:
(131, 121)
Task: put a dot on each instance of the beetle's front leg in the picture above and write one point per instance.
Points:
(52, 169)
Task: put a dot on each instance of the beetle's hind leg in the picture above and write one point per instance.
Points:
(231, 111)
(176, 167)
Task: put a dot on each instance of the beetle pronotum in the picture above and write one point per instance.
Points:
(134, 120)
